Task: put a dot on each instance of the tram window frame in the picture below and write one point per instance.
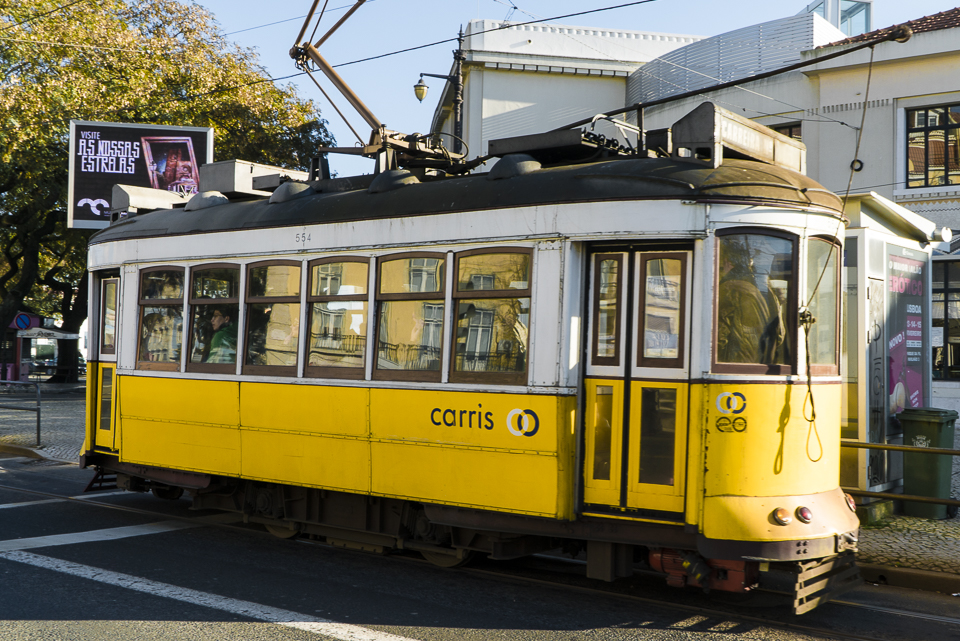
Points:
(212, 368)
(249, 300)
(820, 369)
(607, 361)
(425, 376)
(319, 371)
(790, 310)
(104, 283)
(143, 302)
(648, 361)
(458, 295)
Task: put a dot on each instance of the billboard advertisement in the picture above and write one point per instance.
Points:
(104, 154)
(907, 350)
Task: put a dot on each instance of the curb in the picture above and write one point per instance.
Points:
(926, 580)
(29, 452)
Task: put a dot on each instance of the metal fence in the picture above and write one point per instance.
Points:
(901, 448)
(24, 408)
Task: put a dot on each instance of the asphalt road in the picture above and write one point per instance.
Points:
(70, 569)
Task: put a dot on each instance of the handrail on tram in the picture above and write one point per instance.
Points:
(22, 408)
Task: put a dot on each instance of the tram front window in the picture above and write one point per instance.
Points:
(822, 300)
(755, 285)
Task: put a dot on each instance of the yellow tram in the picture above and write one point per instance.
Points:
(636, 356)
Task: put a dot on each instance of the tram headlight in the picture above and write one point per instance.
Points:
(850, 502)
(804, 514)
(782, 516)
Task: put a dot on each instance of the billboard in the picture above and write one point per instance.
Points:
(104, 154)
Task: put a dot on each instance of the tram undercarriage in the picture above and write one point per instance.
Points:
(450, 536)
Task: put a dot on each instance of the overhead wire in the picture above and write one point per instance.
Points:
(37, 17)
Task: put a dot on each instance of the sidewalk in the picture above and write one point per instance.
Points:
(901, 550)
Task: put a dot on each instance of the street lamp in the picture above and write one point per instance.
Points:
(456, 79)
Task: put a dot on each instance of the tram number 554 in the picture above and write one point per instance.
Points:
(302, 239)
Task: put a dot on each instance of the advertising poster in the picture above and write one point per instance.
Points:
(104, 154)
(906, 355)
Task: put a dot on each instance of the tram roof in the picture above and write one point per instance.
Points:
(735, 181)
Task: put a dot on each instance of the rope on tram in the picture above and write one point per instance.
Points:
(807, 319)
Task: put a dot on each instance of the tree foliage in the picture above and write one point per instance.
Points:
(136, 61)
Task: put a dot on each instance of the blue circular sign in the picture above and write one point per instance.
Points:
(22, 321)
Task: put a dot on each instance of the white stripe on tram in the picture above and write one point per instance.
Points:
(285, 618)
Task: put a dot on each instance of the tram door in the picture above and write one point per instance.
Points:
(636, 388)
(104, 403)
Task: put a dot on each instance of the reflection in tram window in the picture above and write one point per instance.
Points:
(161, 318)
(337, 335)
(822, 300)
(603, 433)
(108, 316)
(410, 320)
(607, 332)
(658, 431)
(661, 308)
(492, 334)
(273, 316)
(755, 275)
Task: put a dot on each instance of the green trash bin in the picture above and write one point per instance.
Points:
(927, 474)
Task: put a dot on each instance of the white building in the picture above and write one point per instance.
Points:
(529, 78)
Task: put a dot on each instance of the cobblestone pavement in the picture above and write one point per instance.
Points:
(899, 541)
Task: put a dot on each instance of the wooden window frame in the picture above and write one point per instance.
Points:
(112, 351)
(489, 378)
(660, 363)
(248, 300)
(829, 370)
(317, 371)
(212, 368)
(926, 130)
(433, 376)
(607, 361)
(158, 302)
(790, 309)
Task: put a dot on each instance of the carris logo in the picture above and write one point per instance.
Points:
(731, 403)
(523, 422)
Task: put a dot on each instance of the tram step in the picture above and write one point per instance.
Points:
(102, 481)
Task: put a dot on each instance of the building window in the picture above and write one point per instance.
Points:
(945, 334)
(273, 318)
(337, 304)
(492, 298)
(161, 318)
(215, 315)
(794, 130)
(933, 146)
(410, 300)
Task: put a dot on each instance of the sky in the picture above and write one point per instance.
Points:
(379, 27)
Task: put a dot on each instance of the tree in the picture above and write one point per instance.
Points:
(137, 61)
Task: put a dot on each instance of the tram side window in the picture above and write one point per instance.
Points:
(215, 315)
(161, 318)
(108, 315)
(823, 284)
(410, 299)
(756, 294)
(492, 297)
(273, 318)
(337, 335)
(608, 272)
(662, 299)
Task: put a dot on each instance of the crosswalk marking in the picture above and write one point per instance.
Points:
(286, 618)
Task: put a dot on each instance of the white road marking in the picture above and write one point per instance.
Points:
(88, 497)
(95, 535)
(26, 503)
(286, 618)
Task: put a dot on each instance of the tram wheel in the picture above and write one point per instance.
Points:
(442, 560)
(281, 532)
(167, 492)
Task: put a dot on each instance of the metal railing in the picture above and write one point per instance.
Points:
(23, 408)
(901, 448)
